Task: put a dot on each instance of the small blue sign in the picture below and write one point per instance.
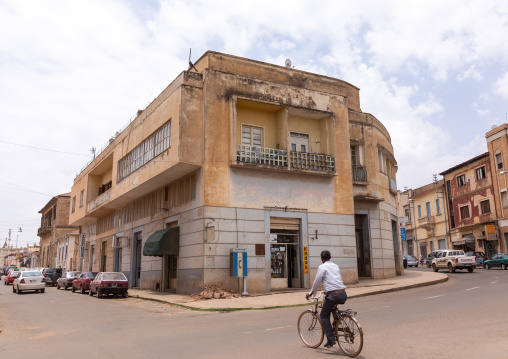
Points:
(402, 234)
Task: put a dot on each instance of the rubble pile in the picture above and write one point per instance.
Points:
(214, 292)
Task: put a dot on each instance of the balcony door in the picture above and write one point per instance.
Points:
(300, 142)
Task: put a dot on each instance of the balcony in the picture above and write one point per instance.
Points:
(312, 161)
(426, 222)
(261, 155)
(393, 185)
(46, 226)
(359, 175)
(103, 198)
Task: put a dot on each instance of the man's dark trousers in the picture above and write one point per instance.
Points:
(330, 300)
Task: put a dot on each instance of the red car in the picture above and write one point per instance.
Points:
(109, 283)
(82, 283)
(9, 278)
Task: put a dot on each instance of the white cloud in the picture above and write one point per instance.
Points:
(501, 86)
(481, 112)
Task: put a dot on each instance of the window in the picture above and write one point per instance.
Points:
(504, 199)
(382, 163)
(464, 212)
(146, 151)
(428, 209)
(82, 198)
(481, 173)
(406, 212)
(438, 206)
(73, 204)
(499, 161)
(252, 136)
(419, 211)
(461, 181)
(485, 206)
(353, 155)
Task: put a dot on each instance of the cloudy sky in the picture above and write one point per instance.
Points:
(72, 73)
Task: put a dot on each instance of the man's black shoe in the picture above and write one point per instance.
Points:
(329, 344)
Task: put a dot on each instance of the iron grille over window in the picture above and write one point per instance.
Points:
(146, 151)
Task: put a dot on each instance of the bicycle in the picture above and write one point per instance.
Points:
(347, 330)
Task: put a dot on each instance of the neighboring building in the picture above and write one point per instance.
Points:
(67, 251)
(54, 224)
(405, 222)
(5, 252)
(497, 144)
(242, 154)
(470, 205)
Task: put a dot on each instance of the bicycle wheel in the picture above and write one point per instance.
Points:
(310, 329)
(349, 335)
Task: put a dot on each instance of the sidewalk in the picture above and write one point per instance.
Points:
(293, 297)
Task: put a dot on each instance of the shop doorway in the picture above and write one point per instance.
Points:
(136, 280)
(170, 266)
(285, 253)
(363, 245)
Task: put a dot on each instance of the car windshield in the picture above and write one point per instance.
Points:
(113, 276)
(72, 274)
(31, 274)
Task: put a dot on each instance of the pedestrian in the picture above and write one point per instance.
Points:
(421, 259)
(335, 293)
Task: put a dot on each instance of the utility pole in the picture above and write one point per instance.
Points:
(444, 207)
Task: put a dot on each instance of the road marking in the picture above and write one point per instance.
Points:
(473, 288)
(436, 296)
(289, 326)
(494, 282)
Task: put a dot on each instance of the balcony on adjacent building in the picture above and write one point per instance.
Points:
(426, 222)
(359, 174)
(103, 198)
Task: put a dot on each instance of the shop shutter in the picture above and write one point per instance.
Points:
(284, 223)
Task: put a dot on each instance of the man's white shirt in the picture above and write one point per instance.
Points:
(329, 274)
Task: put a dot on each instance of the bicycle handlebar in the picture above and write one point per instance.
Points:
(319, 294)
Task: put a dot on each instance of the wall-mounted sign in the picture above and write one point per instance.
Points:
(305, 260)
(402, 234)
(82, 247)
(490, 232)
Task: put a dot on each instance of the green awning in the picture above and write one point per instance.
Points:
(165, 241)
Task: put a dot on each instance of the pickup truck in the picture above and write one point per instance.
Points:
(452, 260)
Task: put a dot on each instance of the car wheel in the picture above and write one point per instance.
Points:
(450, 268)
(13, 289)
(73, 290)
(428, 265)
(43, 290)
(416, 266)
(98, 293)
(65, 287)
(90, 293)
(503, 266)
(58, 286)
(470, 269)
(81, 289)
(434, 268)
(487, 266)
(18, 290)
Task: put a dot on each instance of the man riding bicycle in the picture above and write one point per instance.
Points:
(329, 274)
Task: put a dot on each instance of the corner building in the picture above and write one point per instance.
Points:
(242, 154)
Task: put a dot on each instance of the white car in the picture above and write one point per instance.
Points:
(29, 280)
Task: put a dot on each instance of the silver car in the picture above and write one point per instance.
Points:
(411, 261)
(29, 280)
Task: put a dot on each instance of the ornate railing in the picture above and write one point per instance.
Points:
(106, 196)
(312, 161)
(359, 174)
(261, 155)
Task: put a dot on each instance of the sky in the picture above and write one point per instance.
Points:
(72, 73)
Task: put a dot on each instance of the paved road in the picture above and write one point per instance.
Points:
(464, 317)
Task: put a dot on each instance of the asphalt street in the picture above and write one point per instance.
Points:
(464, 317)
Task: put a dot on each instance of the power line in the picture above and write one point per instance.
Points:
(24, 188)
(44, 149)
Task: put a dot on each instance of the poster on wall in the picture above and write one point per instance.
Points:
(490, 232)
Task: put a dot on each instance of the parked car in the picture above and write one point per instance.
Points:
(29, 280)
(82, 283)
(109, 283)
(7, 269)
(66, 280)
(480, 257)
(9, 278)
(52, 275)
(411, 261)
(431, 256)
(497, 260)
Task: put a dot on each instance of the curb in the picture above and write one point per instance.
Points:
(226, 310)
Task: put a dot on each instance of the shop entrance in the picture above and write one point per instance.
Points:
(285, 253)
(138, 249)
(362, 245)
(170, 266)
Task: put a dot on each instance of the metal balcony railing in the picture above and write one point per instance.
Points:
(261, 155)
(106, 196)
(312, 161)
(393, 184)
(359, 174)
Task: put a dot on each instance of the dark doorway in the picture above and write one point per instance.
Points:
(396, 251)
(137, 259)
(363, 245)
